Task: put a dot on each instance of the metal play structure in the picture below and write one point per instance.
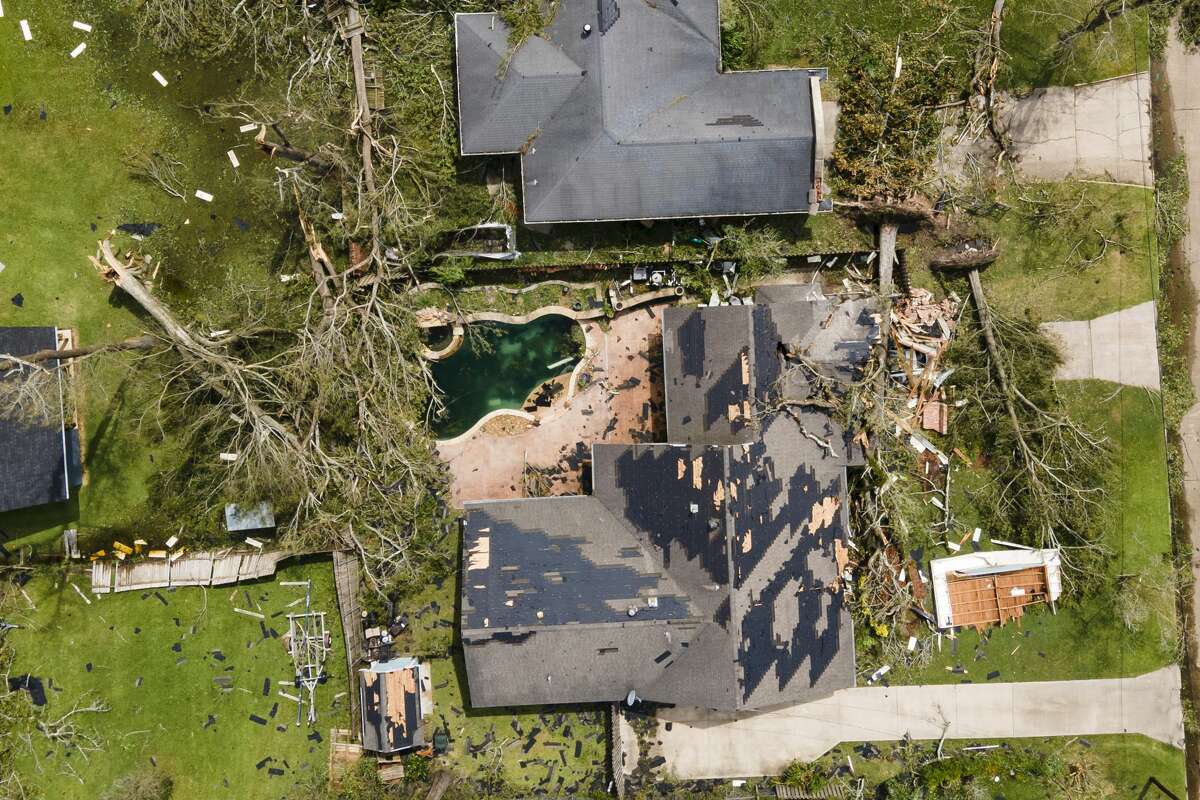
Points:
(308, 645)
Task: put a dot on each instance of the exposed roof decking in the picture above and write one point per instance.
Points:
(391, 706)
(743, 534)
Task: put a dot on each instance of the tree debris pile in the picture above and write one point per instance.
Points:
(921, 332)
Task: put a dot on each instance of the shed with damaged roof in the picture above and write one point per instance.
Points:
(619, 110)
(390, 695)
(699, 572)
(990, 588)
(39, 453)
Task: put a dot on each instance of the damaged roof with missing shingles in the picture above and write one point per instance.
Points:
(725, 550)
(634, 120)
(33, 461)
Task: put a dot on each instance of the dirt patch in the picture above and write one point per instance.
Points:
(506, 425)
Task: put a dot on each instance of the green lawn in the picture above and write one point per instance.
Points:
(65, 174)
(810, 33)
(1056, 265)
(108, 648)
(1084, 639)
(1123, 762)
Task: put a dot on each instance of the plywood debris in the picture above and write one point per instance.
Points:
(822, 513)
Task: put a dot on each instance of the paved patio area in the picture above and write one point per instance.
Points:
(623, 403)
(702, 744)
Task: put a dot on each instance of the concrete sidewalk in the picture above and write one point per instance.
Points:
(1121, 347)
(701, 744)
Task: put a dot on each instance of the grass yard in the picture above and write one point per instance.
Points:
(1123, 762)
(166, 704)
(65, 184)
(1085, 639)
(1054, 263)
(811, 33)
(550, 749)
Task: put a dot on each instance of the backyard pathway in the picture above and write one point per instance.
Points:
(1121, 347)
(617, 407)
(701, 744)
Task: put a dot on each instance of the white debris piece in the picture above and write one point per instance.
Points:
(1, 266)
(233, 159)
(215, 334)
(912, 643)
(953, 546)
(254, 542)
(228, 456)
(203, 195)
(1, 8)
(159, 77)
(79, 48)
(172, 542)
(81, 26)
(337, 215)
(25, 32)
(249, 126)
(975, 535)
(879, 673)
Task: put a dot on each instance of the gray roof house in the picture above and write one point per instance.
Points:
(39, 460)
(635, 120)
(702, 572)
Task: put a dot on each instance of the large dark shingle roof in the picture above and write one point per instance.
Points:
(33, 468)
(725, 546)
(634, 121)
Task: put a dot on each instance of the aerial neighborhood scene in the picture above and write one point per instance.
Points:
(716, 399)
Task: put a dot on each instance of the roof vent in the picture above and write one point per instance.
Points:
(632, 611)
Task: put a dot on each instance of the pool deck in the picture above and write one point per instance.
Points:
(488, 466)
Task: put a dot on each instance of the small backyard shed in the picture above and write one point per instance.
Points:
(39, 454)
(395, 697)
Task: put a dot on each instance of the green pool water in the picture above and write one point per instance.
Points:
(511, 362)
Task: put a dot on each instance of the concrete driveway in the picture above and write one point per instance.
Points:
(1098, 129)
(702, 744)
(1121, 347)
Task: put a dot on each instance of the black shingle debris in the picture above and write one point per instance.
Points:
(257, 720)
(163, 600)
